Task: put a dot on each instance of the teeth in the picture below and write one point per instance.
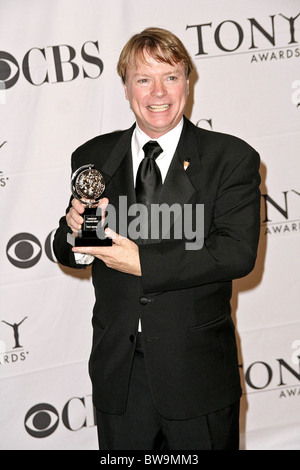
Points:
(158, 107)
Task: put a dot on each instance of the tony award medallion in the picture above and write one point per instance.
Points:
(88, 185)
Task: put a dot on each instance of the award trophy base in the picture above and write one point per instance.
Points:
(88, 241)
(88, 236)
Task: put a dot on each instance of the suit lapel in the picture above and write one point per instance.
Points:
(180, 185)
(119, 187)
(117, 154)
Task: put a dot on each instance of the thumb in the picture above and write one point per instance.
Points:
(103, 202)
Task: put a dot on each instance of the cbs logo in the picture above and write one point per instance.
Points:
(52, 64)
(43, 419)
(24, 250)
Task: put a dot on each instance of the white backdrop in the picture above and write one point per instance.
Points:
(59, 88)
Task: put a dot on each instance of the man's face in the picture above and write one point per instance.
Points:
(157, 93)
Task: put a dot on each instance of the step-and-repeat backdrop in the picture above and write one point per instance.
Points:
(59, 88)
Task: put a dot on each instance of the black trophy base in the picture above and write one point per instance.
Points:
(90, 227)
(88, 241)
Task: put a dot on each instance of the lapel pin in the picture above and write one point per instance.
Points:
(186, 164)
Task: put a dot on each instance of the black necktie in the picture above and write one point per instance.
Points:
(148, 179)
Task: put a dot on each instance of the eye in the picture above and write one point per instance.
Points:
(24, 250)
(143, 80)
(41, 420)
(172, 78)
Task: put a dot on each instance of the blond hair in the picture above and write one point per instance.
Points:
(161, 44)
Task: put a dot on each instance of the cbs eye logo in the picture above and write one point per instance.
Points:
(24, 250)
(9, 69)
(55, 63)
(42, 420)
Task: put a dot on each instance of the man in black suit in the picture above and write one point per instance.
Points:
(163, 363)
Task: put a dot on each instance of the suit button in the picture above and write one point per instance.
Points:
(144, 300)
(132, 338)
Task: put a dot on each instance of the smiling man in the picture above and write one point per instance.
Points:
(163, 364)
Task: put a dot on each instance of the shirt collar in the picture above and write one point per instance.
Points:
(168, 141)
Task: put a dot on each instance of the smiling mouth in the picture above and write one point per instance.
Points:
(158, 107)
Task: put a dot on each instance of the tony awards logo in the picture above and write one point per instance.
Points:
(88, 185)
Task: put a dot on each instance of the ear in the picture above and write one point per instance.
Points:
(126, 93)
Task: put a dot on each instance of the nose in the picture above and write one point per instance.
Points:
(159, 90)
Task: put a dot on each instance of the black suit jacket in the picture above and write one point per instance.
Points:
(183, 296)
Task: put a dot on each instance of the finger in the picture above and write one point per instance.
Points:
(117, 238)
(78, 206)
(103, 202)
(75, 218)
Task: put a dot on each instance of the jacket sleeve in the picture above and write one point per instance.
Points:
(230, 248)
